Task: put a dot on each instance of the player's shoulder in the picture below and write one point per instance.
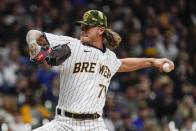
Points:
(111, 52)
(59, 36)
(55, 39)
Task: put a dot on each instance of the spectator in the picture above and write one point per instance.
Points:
(129, 102)
(165, 105)
(143, 116)
(126, 125)
(45, 75)
(8, 109)
(186, 111)
(167, 48)
(32, 112)
(151, 125)
(148, 28)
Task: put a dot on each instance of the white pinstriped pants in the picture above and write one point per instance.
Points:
(61, 123)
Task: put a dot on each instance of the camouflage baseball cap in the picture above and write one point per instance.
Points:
(93, 18)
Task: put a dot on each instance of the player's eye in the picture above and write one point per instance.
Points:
(85, 27)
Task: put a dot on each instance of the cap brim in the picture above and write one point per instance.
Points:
(80, 23)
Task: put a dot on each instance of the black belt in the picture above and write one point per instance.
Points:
(77, 116)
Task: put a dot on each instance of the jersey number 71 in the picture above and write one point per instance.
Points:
(103, 88)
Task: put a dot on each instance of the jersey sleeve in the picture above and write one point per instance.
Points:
(115, 62)
(55, 40)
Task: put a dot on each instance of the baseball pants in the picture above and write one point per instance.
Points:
(62, 123)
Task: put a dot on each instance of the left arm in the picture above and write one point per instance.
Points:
(40, 50)
(132, 64)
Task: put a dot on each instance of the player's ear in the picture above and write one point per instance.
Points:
(101, 30)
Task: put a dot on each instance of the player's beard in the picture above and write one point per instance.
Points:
(88, 38)
(84, 39)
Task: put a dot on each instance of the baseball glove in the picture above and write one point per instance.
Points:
(53, 56)
(42, 55)
(58, 55)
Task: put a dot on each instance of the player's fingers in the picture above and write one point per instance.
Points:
(171, 64)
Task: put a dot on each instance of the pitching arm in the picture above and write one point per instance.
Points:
(132, 64)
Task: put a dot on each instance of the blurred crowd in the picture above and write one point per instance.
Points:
(144, 100)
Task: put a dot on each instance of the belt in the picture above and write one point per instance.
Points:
(77, 116)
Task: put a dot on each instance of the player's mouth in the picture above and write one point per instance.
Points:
(84, 37)
(83, 34)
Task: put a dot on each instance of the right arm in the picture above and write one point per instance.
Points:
(132, 64)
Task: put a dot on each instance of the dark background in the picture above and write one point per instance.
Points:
(142, 100)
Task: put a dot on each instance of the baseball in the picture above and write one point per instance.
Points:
(166, 67)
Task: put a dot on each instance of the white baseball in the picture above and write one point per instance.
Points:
(166, 67)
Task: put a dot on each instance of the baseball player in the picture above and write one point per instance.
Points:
(86, 68)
